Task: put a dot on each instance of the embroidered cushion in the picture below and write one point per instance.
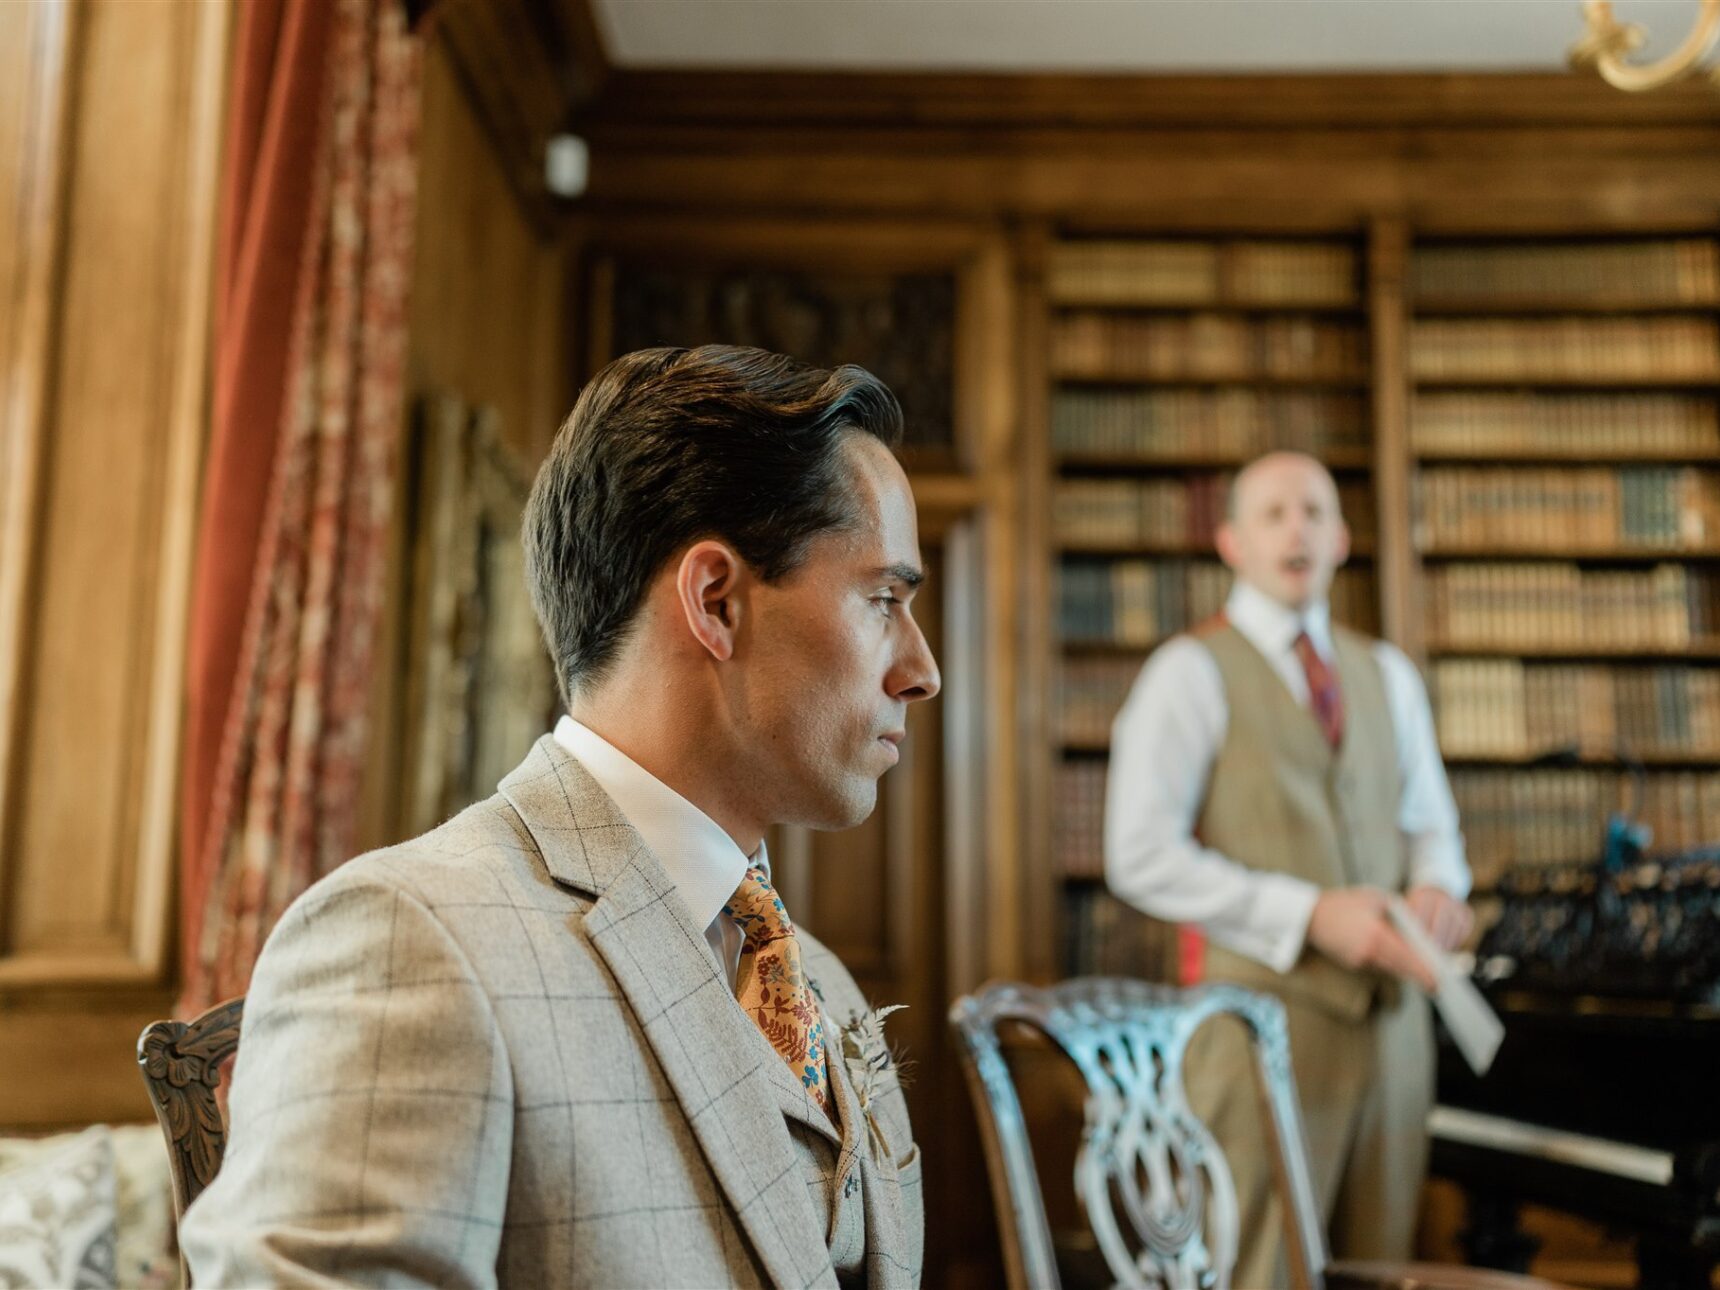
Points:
(58, 1217)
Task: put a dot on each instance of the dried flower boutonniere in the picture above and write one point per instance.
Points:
(867, 1058)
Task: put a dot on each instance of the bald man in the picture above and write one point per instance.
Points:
(1274, 777)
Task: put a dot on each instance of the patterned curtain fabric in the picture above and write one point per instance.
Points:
(310, 373)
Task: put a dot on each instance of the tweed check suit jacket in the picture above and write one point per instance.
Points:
(499, 1054)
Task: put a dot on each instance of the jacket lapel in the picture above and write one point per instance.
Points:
(701, 1039)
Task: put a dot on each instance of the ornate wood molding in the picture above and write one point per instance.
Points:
(181, 1064)
(996, 104)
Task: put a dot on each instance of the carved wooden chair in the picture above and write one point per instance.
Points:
(1151, 1179)
(181, 1063)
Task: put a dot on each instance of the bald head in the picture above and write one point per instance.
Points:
(1264, 468)
(1283, 531)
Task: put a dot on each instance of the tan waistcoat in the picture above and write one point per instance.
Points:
(1280, 799)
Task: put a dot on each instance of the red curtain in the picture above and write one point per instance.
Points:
(314, 260)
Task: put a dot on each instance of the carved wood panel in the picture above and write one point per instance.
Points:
(899, 327)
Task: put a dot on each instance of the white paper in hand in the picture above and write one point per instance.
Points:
(1474, 1026)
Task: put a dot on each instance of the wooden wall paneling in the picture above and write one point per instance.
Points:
(1397, 570)
(487, 313)
(487, 323)
(1551, 176)
(107, 384)
(504, 53)
(1036, 765)
(35, 80)
(989, 429)
(120, 430)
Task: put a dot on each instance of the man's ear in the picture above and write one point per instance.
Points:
(1343, 551)
(706, 582)
(1225, 540)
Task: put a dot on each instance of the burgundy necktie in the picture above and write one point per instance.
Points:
(1324, 696)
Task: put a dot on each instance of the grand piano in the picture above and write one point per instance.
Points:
(1604, 1099)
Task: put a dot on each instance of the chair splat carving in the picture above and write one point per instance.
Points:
(1154, 1184)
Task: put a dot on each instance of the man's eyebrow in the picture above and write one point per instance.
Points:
(903, 573)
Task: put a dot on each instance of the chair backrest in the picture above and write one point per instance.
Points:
(181, 1064)
(1153, 1182)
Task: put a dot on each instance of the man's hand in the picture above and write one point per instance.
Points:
(1350, 925)
(1447, 919)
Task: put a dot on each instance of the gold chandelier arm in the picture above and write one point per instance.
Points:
(1607, 41)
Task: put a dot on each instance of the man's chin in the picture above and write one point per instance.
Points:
(843, 809)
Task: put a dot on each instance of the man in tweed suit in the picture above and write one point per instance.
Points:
(571, 1037)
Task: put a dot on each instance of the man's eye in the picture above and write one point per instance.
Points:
(886, 600)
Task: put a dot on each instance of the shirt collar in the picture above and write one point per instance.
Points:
(698, 856)
(1272, 628)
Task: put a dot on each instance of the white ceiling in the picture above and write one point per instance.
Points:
(1114, 35)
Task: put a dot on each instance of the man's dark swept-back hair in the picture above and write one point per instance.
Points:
(669, 446)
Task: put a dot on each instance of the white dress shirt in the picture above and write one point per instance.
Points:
(700, 858)
(1163, 744)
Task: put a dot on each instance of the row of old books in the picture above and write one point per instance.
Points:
(1183, 272)
(1576, 426)
(1509, 817)
(1087, 696)
(1206, 346)
(1209, 425)
(1078, 808)
(1507, 708)
(1171, 514)
(1567, 508)
(1515, 818)
(1105, 937)
(1668, 270)
(1564, 348)
(1137, 603)
(1558, 607)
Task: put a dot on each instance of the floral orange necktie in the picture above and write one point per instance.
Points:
(1324, 696)
(771, 984)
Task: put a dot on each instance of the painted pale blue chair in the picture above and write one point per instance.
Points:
(1149, 1176)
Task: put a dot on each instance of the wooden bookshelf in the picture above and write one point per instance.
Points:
(1218, 380)
(1616, 460)
(1125, 463)
(1530, 306)
(1588, 555)
(1147, 424)
(1551, 457)
(1624, 675)
(1703, 758)
(1707, 651)
(1531, 380)
(1160, 550)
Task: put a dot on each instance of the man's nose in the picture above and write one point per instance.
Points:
(916, 674)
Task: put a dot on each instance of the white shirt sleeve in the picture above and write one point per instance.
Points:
(1163, 744)
(1427, 815)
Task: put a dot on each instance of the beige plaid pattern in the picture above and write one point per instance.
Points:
(500, 1055)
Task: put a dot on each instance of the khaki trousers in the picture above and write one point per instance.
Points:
(1365, 1089)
